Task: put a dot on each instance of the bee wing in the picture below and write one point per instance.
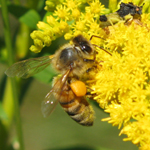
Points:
(50, 101)
(49, 104)
(29, 67)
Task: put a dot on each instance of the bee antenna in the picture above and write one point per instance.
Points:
(99, 46)
(102, 49)
(96, 36)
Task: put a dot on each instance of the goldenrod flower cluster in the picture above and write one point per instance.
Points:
(121, 84)
(69, 19)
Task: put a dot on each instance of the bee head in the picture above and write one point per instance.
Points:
(83, 44)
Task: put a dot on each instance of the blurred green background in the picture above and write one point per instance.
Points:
(59, 131)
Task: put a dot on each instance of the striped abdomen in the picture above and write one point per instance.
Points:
(76, 107)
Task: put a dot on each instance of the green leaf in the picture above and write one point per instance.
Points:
(3, 115)
(102, 148)
(25, 15)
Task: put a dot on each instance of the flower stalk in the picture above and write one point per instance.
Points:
(12, 82)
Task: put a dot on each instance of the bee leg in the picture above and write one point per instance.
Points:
(102, 49)
(88, 60)
(89, 95)
(89, 69)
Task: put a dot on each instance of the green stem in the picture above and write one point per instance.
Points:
(10, 62)
(22, 41)
(8, 105)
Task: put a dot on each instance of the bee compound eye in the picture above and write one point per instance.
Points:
(86, 48)
(79, 88)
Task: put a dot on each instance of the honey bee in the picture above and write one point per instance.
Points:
(73, 62)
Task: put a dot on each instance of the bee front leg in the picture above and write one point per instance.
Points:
(88, 60)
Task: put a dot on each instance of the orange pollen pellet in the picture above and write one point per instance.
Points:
(79, 88)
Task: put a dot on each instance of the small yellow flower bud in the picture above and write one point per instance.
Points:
(75, 13)
(35, 49)
(38, 43)
(37, 35)
(43, 26)
(80, 25)
(64, 26)
(51, 20)
(47, 41)
(77, 32)
(50, 4)
(68, 36)
(57, 30)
